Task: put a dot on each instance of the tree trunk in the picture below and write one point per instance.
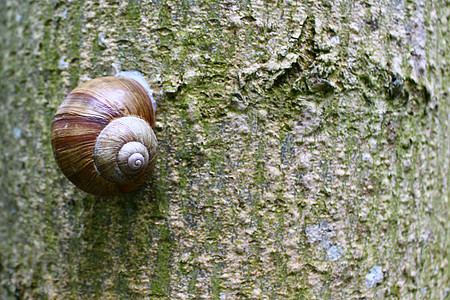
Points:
(304, 151)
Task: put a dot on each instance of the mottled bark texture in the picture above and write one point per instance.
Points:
(304, 151)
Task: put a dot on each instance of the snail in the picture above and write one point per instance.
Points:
(103, 135)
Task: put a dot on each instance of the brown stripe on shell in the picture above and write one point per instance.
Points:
(87, 105)
(121, 95)
(76, 162)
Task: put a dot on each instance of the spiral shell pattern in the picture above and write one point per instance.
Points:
(103, 138)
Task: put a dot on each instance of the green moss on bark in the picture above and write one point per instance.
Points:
(285, 129)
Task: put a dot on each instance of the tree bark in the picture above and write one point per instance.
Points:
(304, 151)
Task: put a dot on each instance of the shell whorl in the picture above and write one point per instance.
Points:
(132, 157)
(124, 149)
(103, 138)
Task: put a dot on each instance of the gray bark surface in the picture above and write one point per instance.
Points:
(304, 151)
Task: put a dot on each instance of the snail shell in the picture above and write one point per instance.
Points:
(102, 135)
